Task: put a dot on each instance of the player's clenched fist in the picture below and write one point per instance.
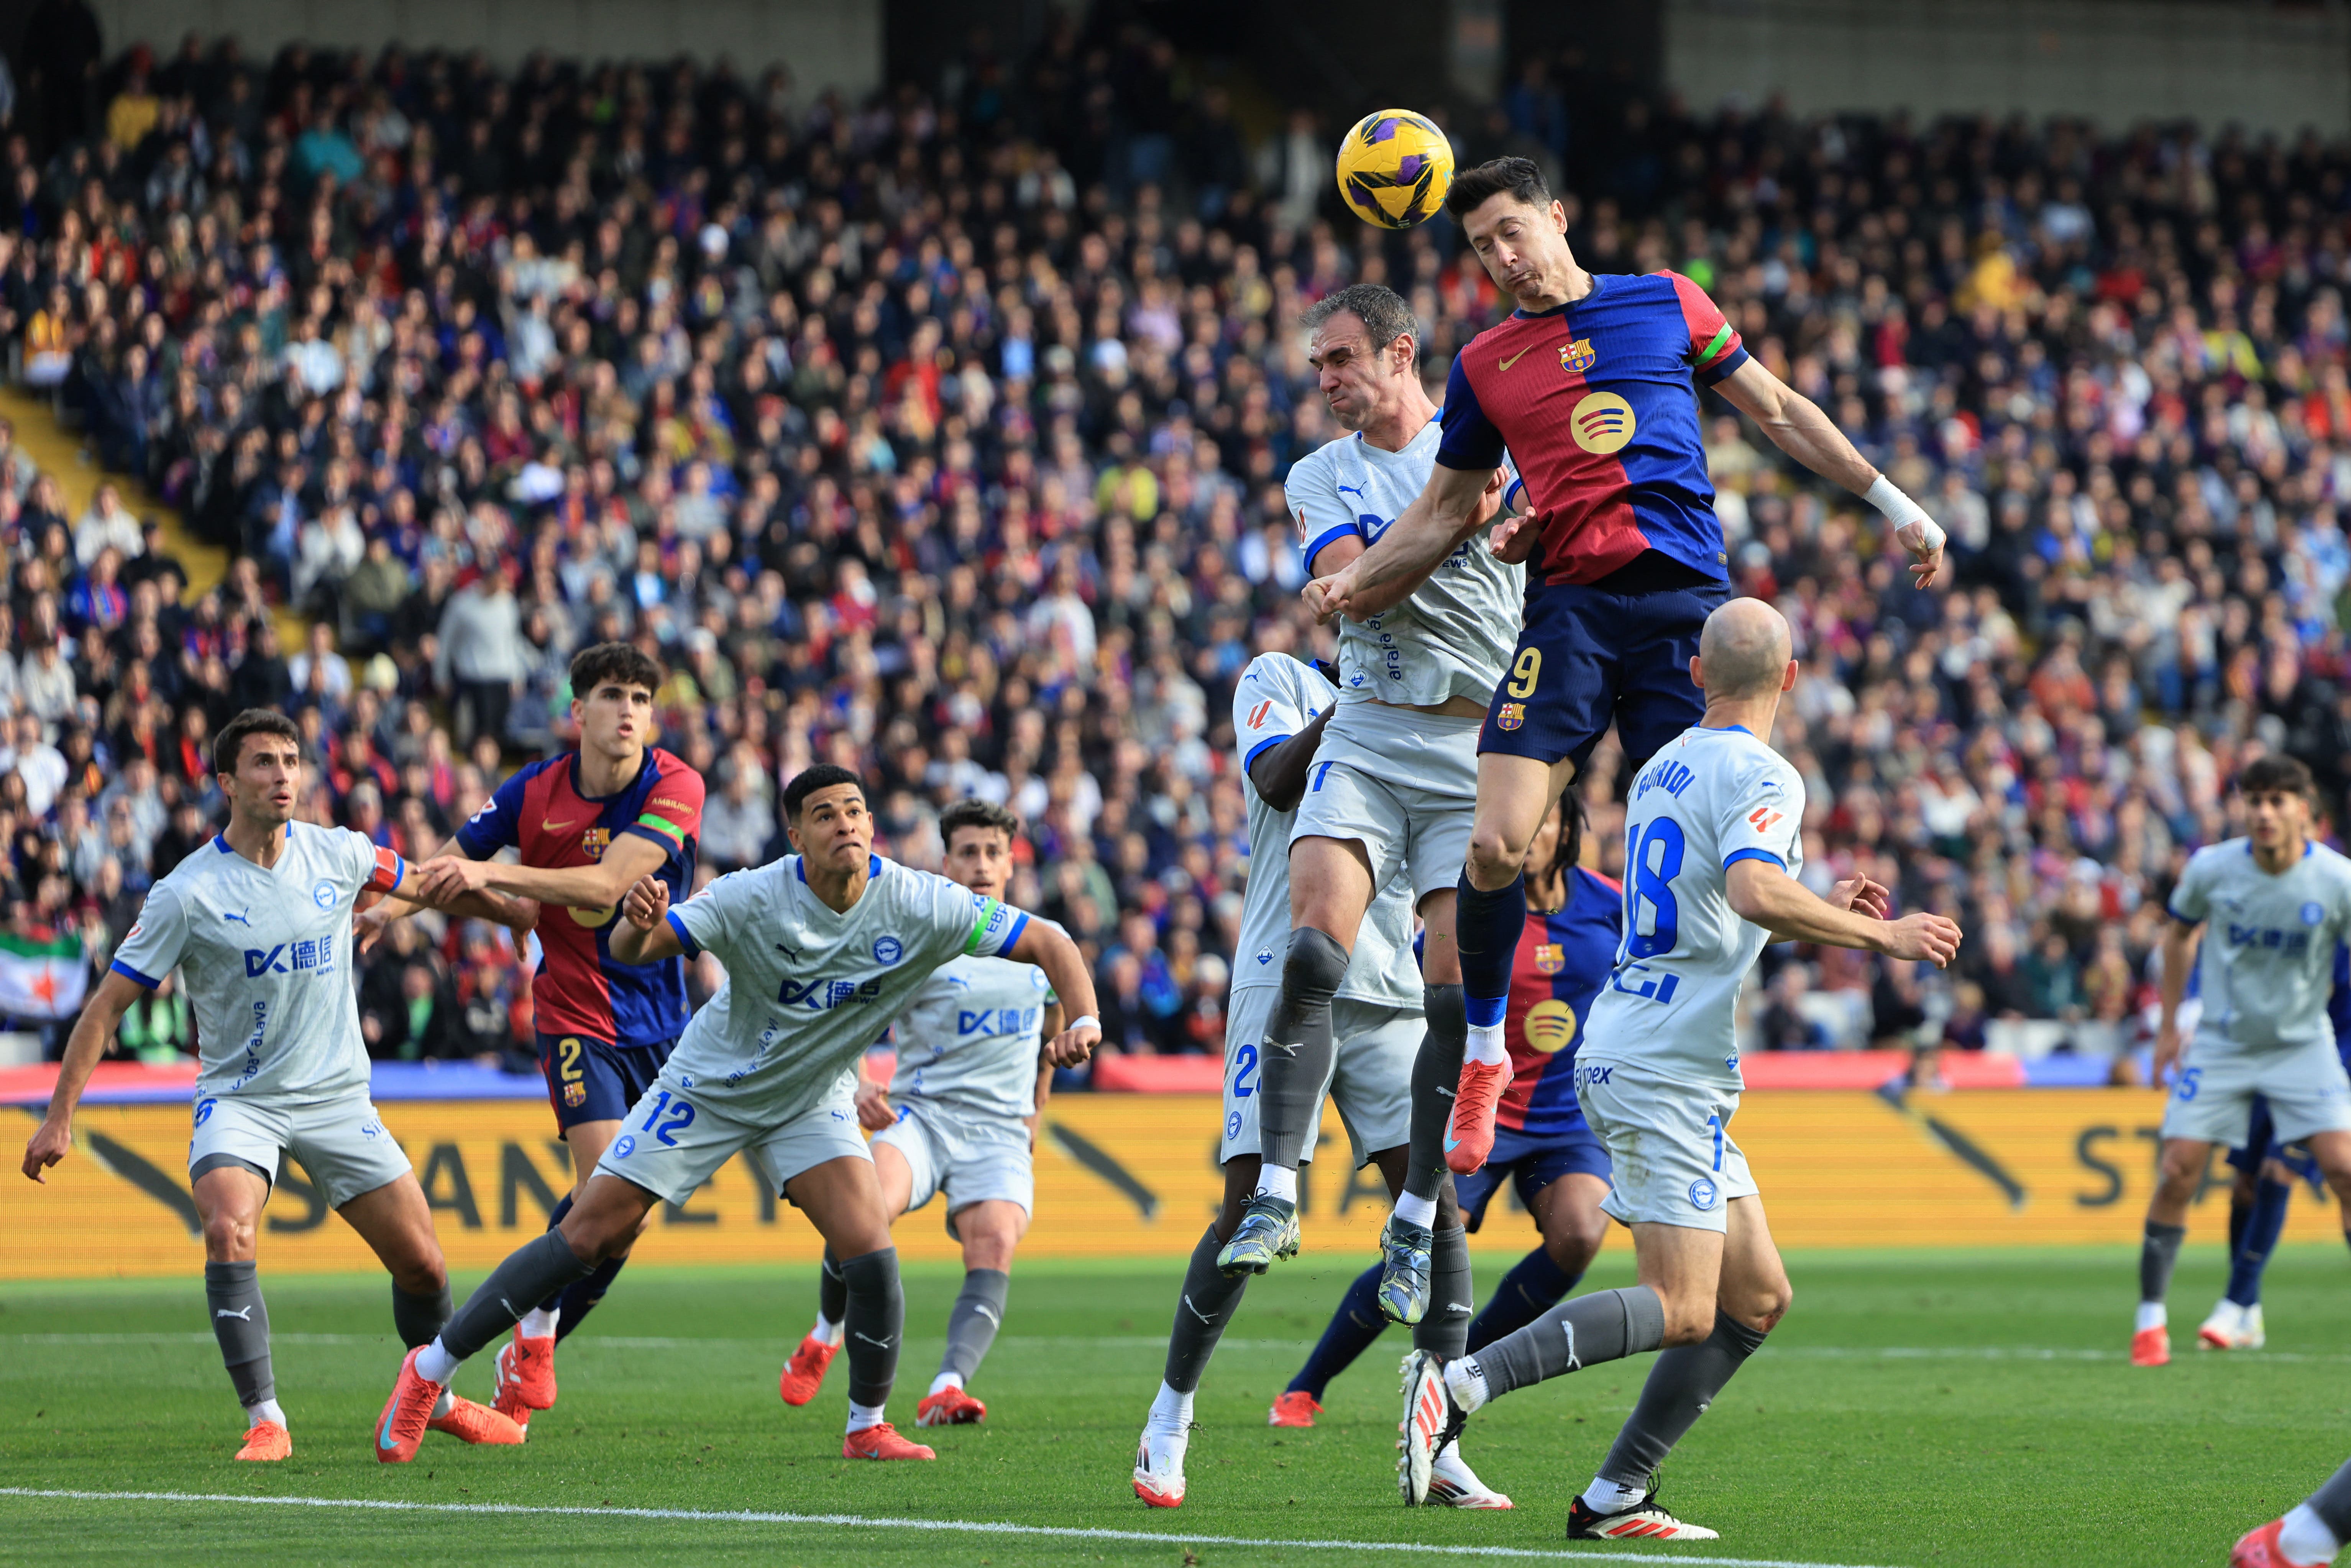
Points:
(874, 1112)
(1932, 938)
(647, 903)
(50, 1143)
(1327, 596)
(1074, 1046)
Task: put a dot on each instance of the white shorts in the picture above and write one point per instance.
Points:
(670, 1155)
(2305, 1086)
(1371, 1077)
(339, 1140)
(1669, 1145)
(1403, 784)
(969, 1157)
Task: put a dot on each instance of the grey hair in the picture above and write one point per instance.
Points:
(1384, 315)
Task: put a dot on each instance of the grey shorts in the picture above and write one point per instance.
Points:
(2212, 1102)
(969, 1157)
(1401, 784)
(1371, 1077)
(339, 1140)
(670, 1154)
(1669, 1145)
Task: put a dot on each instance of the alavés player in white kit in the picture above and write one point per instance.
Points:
(2269, 908)
(821, 949)
(1712, 829)
(258, 924)
(1281, 710)
(1394, 789)
(971, 1083)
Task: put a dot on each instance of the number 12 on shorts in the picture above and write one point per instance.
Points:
(681, 1116)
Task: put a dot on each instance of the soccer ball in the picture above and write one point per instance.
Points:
(1395, 167)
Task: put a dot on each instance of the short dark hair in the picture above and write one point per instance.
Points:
(229, 743)
(974, 812)
(2277, 775)
(810, 780)
(1517, 178)
(621, 662)
(1385, 314)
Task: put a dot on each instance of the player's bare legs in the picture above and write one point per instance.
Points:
(1330, 892)
(229, 1200)
(1515, 794)
(2179, 1170)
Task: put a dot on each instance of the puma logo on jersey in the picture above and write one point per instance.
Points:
(240, 919)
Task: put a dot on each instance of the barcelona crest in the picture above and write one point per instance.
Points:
(1578, 355)
(575, 1094)
(1550, 957)
(595, 842)
(1512, 716)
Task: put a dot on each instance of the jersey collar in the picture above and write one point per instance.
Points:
(571, 765)
(1599, 282)
(872, 867)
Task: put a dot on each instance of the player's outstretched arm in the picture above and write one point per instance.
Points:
(1798, 427)
(643, 934)
(1049, 948)
(517, 914)
(599, 886)
(1280, 771)
(1456, 503)
(2179, 952)
(1764, 893)
(101, 1017)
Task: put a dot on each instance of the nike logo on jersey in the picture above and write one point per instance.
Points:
(243, 1314)
(554, 827)
(1514, 359)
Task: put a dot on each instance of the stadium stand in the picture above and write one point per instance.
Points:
(942, 435)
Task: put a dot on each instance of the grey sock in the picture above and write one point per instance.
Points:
(1681, 1385)
(418, 1319)
(972, 1322)
(2156, 1255)
(876, 1318)
(1606, 1325)
(1452, 1297)
(532, 1272)
(1206, 1305)
(241, 1323)
(1435, 1072)
(831, 1291)
(2332, 1503)
(1298, 1049)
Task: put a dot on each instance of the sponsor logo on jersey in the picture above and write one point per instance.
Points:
(1702, 1195)
(1551, 958)
(323, 895)
(1264, 956)
(1512, 716)
(2258, 936)
(1257, 713)
(1602, 423)
(287, 958)
(244, 919)
(998, 1021)
(823, 996)
(1550, 1024)
(888, 949)
(1577, 356)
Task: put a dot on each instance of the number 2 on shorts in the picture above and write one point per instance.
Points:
(1525, 671)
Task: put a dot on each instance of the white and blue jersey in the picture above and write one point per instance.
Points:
(971, 1039)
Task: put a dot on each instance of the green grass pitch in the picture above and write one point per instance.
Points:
(1916, 1408)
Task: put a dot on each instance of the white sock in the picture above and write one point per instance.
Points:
(1604, 1496)
(2305, 1540)
(826, 1330)
(2151, 1315)
(1467, 1382)
(1171, 1414)
(1416, 1210)
(267, 1410)
(863, 1415)
(435, 1365)
(1486, 1045)
(1273, 1181)
(442, 1405)
(539, 1322)
(947, 1380)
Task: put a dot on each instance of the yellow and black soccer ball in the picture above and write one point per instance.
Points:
(1395, 168)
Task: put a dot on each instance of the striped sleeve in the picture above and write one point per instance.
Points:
(1715, 350)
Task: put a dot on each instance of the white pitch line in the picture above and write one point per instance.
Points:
(988, 1527)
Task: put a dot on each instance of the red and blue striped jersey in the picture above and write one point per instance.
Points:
(1562, 960)
(581, 989)
(1594, 400)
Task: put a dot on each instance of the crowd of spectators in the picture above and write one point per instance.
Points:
(942, 435)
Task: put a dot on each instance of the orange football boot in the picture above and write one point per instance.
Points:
(1470, 1134)
(2151, 1348)
(268, 1440)
(401, 1428)
(804, 1374)
(881, 1442)
(949, 1408)
(471, 1422)
(1293, 1407)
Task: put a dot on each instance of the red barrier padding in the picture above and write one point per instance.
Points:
(1160, 1075)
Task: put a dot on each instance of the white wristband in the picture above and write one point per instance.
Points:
(1080, 1022)
(1912, 526)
